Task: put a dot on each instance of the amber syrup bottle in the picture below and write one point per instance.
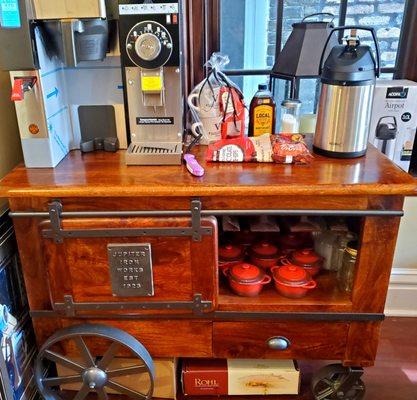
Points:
(262, 113)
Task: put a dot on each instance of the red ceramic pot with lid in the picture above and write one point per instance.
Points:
(292, 281)
(291, 242)
(246, 280)
(244, 238)
(265, 254)
(308, 259)
(230, 254)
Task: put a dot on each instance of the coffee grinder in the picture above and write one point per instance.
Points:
(151, 42)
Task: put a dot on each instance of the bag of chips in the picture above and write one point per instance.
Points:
(289, 148)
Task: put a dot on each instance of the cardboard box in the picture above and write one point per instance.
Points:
(239, 377)
(165, 381)
(395, 106)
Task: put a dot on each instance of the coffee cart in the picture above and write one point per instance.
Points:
(123, 261)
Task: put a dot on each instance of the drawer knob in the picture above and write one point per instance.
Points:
(279, 343)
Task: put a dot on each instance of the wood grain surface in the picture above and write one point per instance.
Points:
(106, 175)
(315, 340)
(80, 266)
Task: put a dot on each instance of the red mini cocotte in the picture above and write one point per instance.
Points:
(246, 280)
(292, 281)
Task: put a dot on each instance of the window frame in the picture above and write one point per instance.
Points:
(204, 17)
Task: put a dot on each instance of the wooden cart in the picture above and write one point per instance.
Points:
(88, 230)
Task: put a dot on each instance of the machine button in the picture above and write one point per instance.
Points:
(17, 91)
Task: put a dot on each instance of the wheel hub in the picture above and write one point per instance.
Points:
(95, 378)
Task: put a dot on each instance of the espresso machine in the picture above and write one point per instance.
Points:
(64, 61)
(151, 44)
(76, 85)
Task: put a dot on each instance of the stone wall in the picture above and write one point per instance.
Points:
(384, 15)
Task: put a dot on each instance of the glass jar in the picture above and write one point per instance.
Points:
(290, 116)
(326, 244)
(342, 242)
(346, 274)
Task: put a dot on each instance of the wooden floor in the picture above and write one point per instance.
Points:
(394, 376)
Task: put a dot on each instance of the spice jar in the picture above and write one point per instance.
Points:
(246, 280)
(347, 273)
(264, 255)
(308, 259)
(292, 281)
(290, 116)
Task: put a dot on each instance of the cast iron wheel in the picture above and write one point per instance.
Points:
(91, 374)
(336, 382)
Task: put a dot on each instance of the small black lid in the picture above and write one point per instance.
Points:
(263, 86)
(350, 65)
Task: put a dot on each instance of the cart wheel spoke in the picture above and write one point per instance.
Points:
(91, 375)
(65, 362)
(109, 356)
(102, 395)
(136, 369)
(83, 393)
(124, 390)
(52, 382)
(88, 358)
(338, 382)
(324, 394)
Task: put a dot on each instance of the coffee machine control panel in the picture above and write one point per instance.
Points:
(150, 33)
(149, 45)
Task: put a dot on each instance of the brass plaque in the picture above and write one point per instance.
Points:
(131, 270)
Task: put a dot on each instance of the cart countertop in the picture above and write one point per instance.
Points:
(106, 175)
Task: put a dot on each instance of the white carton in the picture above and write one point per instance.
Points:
(394, 119)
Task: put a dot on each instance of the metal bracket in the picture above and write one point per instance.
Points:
(196, 231)
(196, 219)
(55, 211)
(70, 308)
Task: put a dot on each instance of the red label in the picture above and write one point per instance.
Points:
(205, 377)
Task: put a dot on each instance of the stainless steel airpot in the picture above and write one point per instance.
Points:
(348, 80)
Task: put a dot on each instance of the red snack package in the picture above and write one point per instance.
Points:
(232, 108)
(288, 148)
(232, 150)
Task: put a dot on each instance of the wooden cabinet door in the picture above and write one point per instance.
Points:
(182, 268)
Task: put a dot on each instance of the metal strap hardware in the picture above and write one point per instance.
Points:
(196, 212)
(58, 234)
(220, 315)
(70, 308)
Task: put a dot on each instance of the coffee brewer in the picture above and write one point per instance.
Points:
(73, 87)
(151, 49)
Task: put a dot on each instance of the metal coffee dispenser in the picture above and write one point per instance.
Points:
(65, 69)
(348, 82)
(151, 47)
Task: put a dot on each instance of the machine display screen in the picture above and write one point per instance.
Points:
(9, 14)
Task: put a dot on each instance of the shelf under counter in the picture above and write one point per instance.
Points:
(326, 298)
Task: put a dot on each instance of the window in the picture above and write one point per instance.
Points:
(252, 32)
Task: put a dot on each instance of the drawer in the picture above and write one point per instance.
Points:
(162, 338)
(306, 340)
